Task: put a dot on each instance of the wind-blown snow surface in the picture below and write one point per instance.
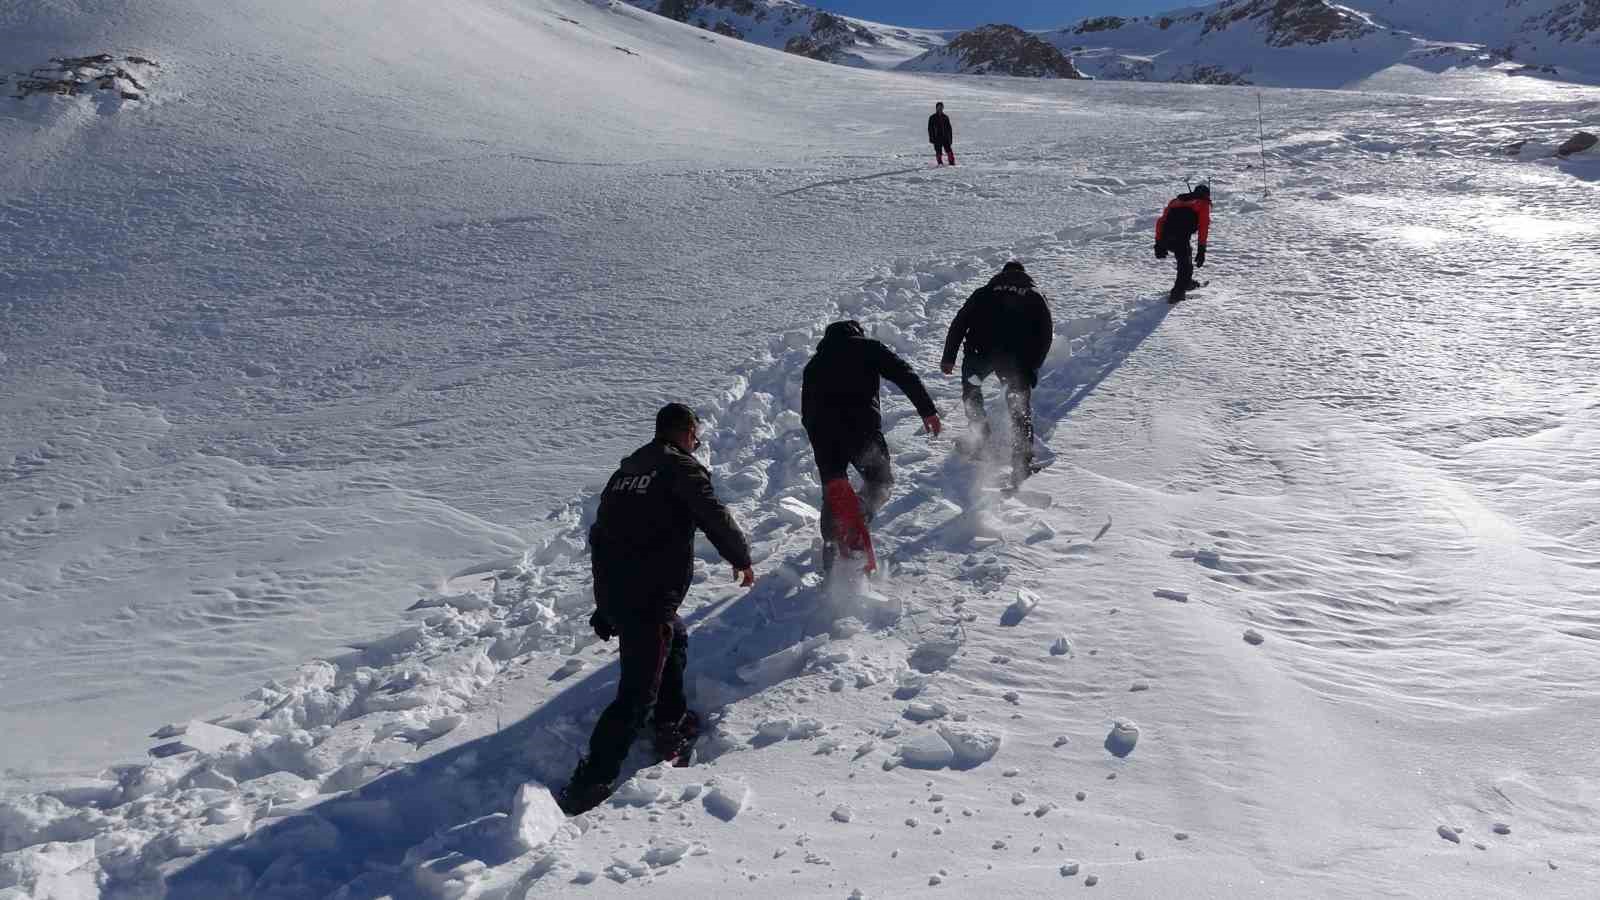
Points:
(1321, 539)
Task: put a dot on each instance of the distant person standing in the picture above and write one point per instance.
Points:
(1007, 330)
(642, 553)
(1185, 216)
(941, 135)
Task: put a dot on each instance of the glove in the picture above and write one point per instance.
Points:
(948, 368)
(1200, 257)
(1031, 378)
(1161, 252)
(933, 424)
(746, 576)
(603, 627)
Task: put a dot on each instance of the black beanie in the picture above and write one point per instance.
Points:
(674, 419)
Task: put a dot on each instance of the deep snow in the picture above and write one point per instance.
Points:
(312, 337)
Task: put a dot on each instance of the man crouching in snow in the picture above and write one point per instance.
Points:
(642, 552)
(839, 408)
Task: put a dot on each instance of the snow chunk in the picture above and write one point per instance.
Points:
(1252, 636)
(664, 851)
(727, 799)
(1177, 596)
(1124, 735)
(1018, 610)
(1449, 834)
(843, 813)
(927, 750)
(637, 792)
(798, 513)
(926, 712)
(56, 869)
(535, 817)
(786, 663)
(973, 746)
(933, 655)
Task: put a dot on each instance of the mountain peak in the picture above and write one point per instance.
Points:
(997, 50)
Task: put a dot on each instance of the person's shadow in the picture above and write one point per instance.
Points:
(354, 845)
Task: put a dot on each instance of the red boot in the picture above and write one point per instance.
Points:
(849, 522)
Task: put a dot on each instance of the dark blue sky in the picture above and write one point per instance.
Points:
(966, 13)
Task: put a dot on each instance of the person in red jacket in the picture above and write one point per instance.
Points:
(941, 135)
(1187, 215)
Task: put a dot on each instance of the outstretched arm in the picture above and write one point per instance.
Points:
(897, 370)
(692, 485)
(957, 334)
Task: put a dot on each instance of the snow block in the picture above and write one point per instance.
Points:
(786, 663)
(199, 737)
(664, 851)
(973, 746)
(926, 712)
(451, 876)
(636, 792)
(49, 870)
(1019, 608)
(727, 799)
(798, 513)
(927, 750)
(1123, 737)
(934, 655)
(535, 817)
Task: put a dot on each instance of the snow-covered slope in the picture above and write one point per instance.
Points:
(1318, 43)
(310, 358)
(1562, 33)
(995, 50)
(800, 29)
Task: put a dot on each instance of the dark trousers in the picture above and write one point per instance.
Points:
(1184, 254)
(940, 151)
(653, 657)
(1019, 402)
(870, 456)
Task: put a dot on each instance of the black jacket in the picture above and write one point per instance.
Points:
(839, 394)
(939, 130)
(642, 542)
(1005, 323)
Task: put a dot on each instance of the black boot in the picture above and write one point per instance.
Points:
(582, 792)
(673, 740)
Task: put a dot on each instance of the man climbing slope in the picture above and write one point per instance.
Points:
(1184, 216)
(839, 408)
(642, 556)
(1007, 330)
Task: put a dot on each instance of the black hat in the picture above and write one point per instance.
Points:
(1014, 265)
(1203, 190)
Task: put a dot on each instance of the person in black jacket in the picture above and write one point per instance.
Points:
(840, 411)
(941, 135)
(1007, 330)
(642, 554)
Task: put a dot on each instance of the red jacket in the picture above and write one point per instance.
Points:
(1185, 215)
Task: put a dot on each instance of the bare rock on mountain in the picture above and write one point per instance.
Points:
(997, 50)
(796, 28)
(1292, 23)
